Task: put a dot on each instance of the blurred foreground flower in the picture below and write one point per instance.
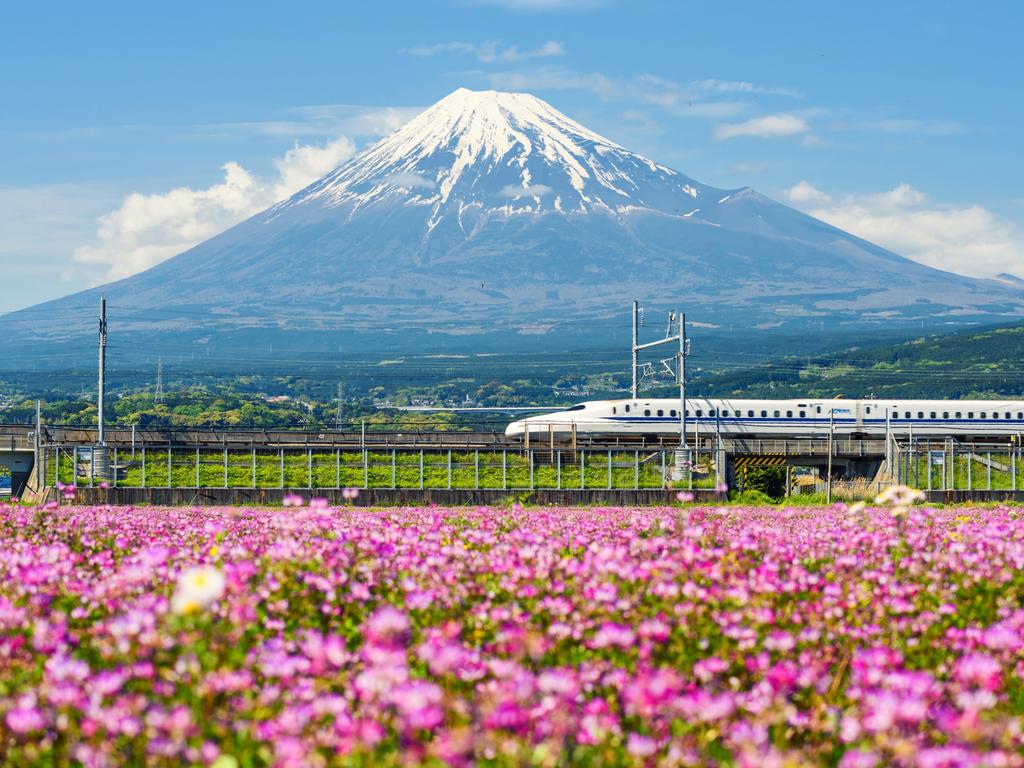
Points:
(292, 500)
(197, 588)
(899, 496)
(685, 496)
(349, 493)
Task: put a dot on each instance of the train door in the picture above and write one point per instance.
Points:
(858, 415)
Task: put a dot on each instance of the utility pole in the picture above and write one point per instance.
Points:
(337, 418)
(677, 323)
(159, 395)
(635, 351)
(102, 393)
(681, 369)
(828, 477)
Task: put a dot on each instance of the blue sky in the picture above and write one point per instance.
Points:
(129, 131)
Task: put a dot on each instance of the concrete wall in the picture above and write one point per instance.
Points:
(964, 497)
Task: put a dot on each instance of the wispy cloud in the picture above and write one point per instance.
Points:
(903, 126)
(146, 229)
(491, 51)
(715, 99)
(412, 180)
(766, 127)
(40, 225)
(967, 239)
(543, 5)
(516, 191)
(322, 120)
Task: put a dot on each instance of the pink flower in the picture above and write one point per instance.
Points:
(23, 719)
(981, 670)
(419, 704)
(292, 500)
(386, 624)
(641, 746)
(685, 496)
(611, 634)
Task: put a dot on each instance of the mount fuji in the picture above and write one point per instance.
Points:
(493, 212)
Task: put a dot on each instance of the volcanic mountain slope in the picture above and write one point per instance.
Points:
(494, 208)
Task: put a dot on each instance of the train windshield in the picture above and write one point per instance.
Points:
(576, 408)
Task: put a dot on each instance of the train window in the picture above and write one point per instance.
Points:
(699, 413)
(869, 409)
(750, 414)
(711, 412)
(932, 416)
(1006, 415)
(907, 415)
(920, 414)
(647, 411)
(789, 414)
(1020, 415)
(672, 413)
(819, 409)
(661, 412)
(970, 414)
(984, 415)
(687, 412)
(803, 414)
(576, 408)
(764, 414)
(627, 409)
(776, 414)
(945, 414)
(958, 414)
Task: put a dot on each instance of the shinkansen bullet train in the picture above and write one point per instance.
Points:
(790, 418)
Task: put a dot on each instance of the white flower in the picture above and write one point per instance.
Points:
(856, 507)
(197, 588)
(900, 496)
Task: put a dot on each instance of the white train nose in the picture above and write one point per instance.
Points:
(515, 428)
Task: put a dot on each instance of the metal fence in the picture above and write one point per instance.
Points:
(311, 468)
(952, 466)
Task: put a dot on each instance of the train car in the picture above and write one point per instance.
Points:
(778, 418)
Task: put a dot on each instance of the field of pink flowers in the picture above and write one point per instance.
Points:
(697, 636)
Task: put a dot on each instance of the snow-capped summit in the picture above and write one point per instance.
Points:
(491, 217)
(505, 152)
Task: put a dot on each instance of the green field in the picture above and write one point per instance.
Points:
(398, 469)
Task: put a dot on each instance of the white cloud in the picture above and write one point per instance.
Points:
(532, 190)
(967, 239)
(491, 51)
(766, 127)
(302, 165)
(804, 193)
(146, 229)
(412, 180)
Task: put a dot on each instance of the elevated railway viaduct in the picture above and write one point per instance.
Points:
(259, 465)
